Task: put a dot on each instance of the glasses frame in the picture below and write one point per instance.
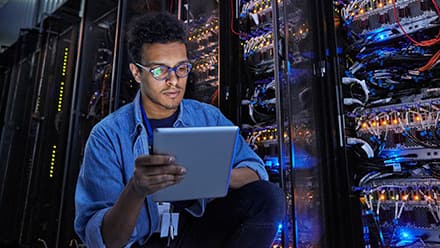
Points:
(150, 69)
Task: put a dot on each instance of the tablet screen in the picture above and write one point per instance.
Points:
(207, 153)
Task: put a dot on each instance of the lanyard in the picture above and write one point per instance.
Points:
(148, 126)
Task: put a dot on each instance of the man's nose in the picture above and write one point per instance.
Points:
(172, 78)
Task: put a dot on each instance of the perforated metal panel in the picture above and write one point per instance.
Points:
(22, 14)
(46, 7)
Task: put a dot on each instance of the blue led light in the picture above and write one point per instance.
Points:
(301, 159)
(404, 235)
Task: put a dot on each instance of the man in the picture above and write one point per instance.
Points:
(118, 175)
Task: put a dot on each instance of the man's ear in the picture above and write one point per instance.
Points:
(135, 72)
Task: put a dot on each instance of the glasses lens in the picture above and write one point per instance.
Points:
(183, 70)
(159, 72)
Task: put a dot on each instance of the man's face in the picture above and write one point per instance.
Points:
(161, 96)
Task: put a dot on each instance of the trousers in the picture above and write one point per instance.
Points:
(245, 217)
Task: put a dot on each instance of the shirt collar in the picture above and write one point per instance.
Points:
(137, 113)
(181, 121)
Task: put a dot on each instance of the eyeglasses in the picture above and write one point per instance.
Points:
(162, 72)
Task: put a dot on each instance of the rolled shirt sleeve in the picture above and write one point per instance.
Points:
(245, 157)
(100, 182)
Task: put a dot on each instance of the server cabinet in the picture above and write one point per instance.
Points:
(292, 109)
(33, 161)
(344, 110)
(7, 58)
(91, 102)
(389, 79)
(17, 93)
(202, 22)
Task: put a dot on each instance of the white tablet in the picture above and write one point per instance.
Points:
(207, 153)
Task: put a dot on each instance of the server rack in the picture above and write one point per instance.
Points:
(17, 90)
(355, 110)
(292, 109)
(93, 75)
(203, 24)
(287, 81)
(36, 112)
(389, 81)
(8, 57)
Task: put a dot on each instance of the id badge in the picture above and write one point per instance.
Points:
(169, 221)
(163, 207)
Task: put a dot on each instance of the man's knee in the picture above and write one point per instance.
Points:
(267, 197)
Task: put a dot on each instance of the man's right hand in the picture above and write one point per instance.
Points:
(155, 172)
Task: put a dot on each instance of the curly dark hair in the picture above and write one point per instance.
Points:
(153, 27)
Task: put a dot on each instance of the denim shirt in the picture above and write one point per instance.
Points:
(113, 145)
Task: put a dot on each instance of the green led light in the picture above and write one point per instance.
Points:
(52, 163)
(63, 73)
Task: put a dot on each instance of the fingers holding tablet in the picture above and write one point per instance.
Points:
(155, 172)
